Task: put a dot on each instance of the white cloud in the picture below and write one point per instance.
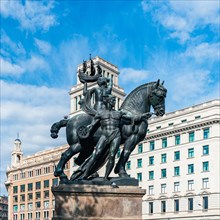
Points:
(31, 15)
(43, 46)
(11, 69)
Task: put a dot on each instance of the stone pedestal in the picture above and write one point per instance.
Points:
(95, 202)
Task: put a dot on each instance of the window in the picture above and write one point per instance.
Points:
(190, 168)
(15, 176)
(163, 206)
(140, 148)
(22, 216)
(30, 173)
(205, 150)
(190, 204)
(176, 205)
(15, 208)
(205, 202)
(46, 194)
(15, 217)
(158, 127)
(55, 182)
(38, 195)
(15, 198)
(176, 171)
(151, 160)
(46, 214)
(163, 188)
(190, 184)
(22, 207)
(177, 139)
(206, 133)
(29, 215)
(190, 152)
(170, 124)
(22, 188)
(30, 186)
(198, 116)
(176, 186)
(22, 198)
(205, 183)
(37, 215)
(205, 166)
(139, 177)
(151, 175)
(176, 155)
(37, 204)
(46, 204)
(164, 142)
(30, 196)
(15, 189)
(151, 190)
(184, 120)
(38, 172)
(152, 145)
(22, 175)
(163, 158)
(151, 207)
(191, 136)
(128, 165)
(139, 163)
(46, 170)
(46, 183)
(30, 206)
(163, 173)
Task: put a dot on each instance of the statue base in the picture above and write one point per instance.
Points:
(96, 202)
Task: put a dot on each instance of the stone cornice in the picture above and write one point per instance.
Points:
(178, 130)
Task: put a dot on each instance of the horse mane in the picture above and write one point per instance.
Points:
(135, 102)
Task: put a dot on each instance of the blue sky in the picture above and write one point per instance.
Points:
(42, 42)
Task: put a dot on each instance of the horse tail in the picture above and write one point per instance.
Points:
(56, 127)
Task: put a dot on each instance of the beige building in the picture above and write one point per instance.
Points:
(3, 207)
(29, 182)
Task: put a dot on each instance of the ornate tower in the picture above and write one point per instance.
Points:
(108, 70)
(17, 154)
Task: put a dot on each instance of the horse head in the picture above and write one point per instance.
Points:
(157, 98)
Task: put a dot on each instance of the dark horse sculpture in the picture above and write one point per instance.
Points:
(138, 102)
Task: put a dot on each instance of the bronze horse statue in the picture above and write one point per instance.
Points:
(138, 102)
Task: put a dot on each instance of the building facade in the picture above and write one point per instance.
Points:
(29, 182)
(3, 207)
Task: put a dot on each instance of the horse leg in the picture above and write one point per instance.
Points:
(128, 148)
(72, 150)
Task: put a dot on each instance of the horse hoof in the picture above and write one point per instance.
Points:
(54, 135)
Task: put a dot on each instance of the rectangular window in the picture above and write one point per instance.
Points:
(190, 152)
(163, 173)
(37, 215)
(139, 177)
(46, 214)
(55, 182)
(46, 183)
(30, 173)
(151, 190)
(205, 150)
(190, 168)
(15, 189)
(197, 117)
(139, 163)
(177, 139)
(151, 175)
(191, 136)
(164, 142)
(205, 202)
(176, 171)
(176, 186)
(22, 216)
(176, 155)
(163, 158)
(176, 205)
(128, 165)
(37, 204)
(184, 120)
(152, 145)
(205, 183)
(38, 172)
(163, 206)
(22, 188)
(190, 204)
(205, 166)
(206, 133)
(37, 195)
(15, 198)
(170, 124)
(22, 175)
(30, 206)
(158, 127)
(46, 204)
(140, 148)
(15, 208)
(22, 198)
(46, 194)
(46, 170)
(151, 207)
(30, 186)
(151, 160)
(30, 196)
(163, 188)
(190, 184)
(22, 207)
